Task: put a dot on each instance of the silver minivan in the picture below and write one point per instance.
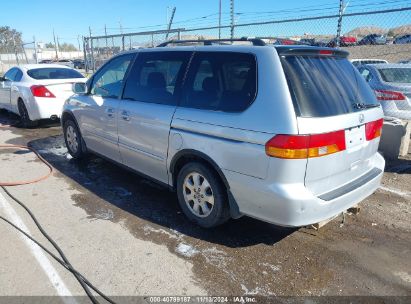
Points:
(285, 134)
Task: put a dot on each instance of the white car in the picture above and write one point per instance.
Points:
(66, 62)
(37, 91)
(358, 62)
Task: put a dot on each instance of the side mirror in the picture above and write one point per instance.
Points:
(2, 79)
(79, 88)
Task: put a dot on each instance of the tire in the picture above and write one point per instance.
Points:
(73, 139)
(25, 120)
(196, 202)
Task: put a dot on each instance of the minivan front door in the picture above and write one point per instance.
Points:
(147, 107)
(99, 111)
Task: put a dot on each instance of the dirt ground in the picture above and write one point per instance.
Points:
(90, 205)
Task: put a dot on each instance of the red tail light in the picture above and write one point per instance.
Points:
(373, 129)
(325, 52)
(41, 91)
(305, 146)
(389, 95)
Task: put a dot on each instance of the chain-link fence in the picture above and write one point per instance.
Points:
(366, 34)
(16, 54)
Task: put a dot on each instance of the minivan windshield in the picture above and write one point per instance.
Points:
(324, 86)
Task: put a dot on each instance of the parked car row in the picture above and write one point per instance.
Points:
(346, 41)
(285, 134)
(75, 63)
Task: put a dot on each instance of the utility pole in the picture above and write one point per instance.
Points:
(219, 19)
(340, 14)
(35, 50)
(55, 46)
(170, 22)
(78, 41)
(58, 43)
(232, 17)
(121, 27)
(15, 51)
(341, 11)
(105, 33)
(91, 50)
(85, 54)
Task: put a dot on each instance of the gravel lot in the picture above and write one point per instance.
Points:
(391, 52)
(129, 237)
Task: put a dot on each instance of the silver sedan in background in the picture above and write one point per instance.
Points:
(392, 86)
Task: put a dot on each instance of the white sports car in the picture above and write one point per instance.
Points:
(37, 91)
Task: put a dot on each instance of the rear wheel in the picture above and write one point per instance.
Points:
(73, 139)
(25, 120)
(202, 196)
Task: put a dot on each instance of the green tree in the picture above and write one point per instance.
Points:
(67, 47)
(49, 45)
(10, 39)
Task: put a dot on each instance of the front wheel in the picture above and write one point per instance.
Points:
(202, 195)
(73, 139)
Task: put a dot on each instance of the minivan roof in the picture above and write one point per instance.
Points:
(244, 48)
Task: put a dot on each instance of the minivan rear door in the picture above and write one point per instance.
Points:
(330, 95)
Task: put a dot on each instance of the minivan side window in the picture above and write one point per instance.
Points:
(108, 81)
(221, 81)
(156, 77)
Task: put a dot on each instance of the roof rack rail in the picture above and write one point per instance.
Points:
(254, 41)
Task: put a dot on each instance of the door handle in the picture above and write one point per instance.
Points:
(110, 112)
(125, 115)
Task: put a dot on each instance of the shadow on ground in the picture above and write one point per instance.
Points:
(11, 119)
(145, 199)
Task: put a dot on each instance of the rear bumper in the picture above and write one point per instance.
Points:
(293, 204)
(45, 108)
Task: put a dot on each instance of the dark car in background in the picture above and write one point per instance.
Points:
(373, 39)
(307, 41)
(79, 63)
(403, 39)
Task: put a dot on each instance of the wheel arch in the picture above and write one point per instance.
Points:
(69, 115)
(188, 155)
(184, 156)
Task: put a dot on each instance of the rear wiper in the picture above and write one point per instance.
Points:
(360, 106)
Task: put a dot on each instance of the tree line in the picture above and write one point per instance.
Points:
(11, 41)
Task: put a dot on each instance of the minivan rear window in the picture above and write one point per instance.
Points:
(324, 86)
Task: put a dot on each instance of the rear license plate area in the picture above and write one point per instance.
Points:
(355, 137)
